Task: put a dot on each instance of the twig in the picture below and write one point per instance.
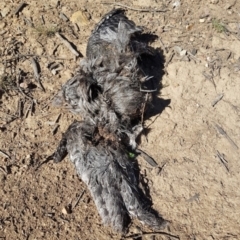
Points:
(147, 158)
(3, 170)
(223, 160)
(4, 154)
(36, 73)
(63, 17)
(48, 159)
(19, 8)
(78, 199)
(67, 44)
(76, 27)
(55, 129)
(218, 98)
(170, 57)
(29, 22)
(164, 48)
(58, 117)
(135, 9)
(20, 107)
(222, 132)
(210, 78)
(27, 111)
(42, 18)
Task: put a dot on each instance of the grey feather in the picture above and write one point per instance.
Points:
(106, 93)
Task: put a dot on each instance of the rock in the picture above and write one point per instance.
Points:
(177, 49)
(2, 25)
(176, 4)
(23, 85)
(65, 211)
(80, 18)
(214, 1)
(39, 51)
(183, 53)
(5, 12)
(191, 39)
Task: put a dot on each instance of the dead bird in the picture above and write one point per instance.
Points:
(102, 161)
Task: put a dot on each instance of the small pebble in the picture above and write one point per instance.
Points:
(194, 51)
(80, 18)
(2, 25)
(214, 1)
(65, 211)
(183, 53)
(5, 12)
(177, 49)
(23, 85)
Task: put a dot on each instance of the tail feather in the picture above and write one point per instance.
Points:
(135, 206)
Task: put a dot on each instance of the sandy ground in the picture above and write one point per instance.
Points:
(193, 131)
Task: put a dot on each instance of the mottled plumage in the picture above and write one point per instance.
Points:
(108, 84)
(103, 163)
(111, 35)
(106, 93)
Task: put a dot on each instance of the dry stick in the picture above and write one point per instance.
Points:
(20, 106)
(147, 158)
(221, 131)
(223, 160)
(27, 111)
(47, 160)
(3, 170)
(135, 9)
(36, 73)
(4, 154)
(67, 44)
(42, 18)
(169, 59)
(164, 48)
(218, 98)
(28, 22)
(19, 8)
(54, 131)
(63, 17)
(78, 200)
(58, 117)
(210, 78)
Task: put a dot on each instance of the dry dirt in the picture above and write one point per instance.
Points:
(193, 137)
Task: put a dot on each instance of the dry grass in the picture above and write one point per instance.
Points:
(218, 25)
(47, 31)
